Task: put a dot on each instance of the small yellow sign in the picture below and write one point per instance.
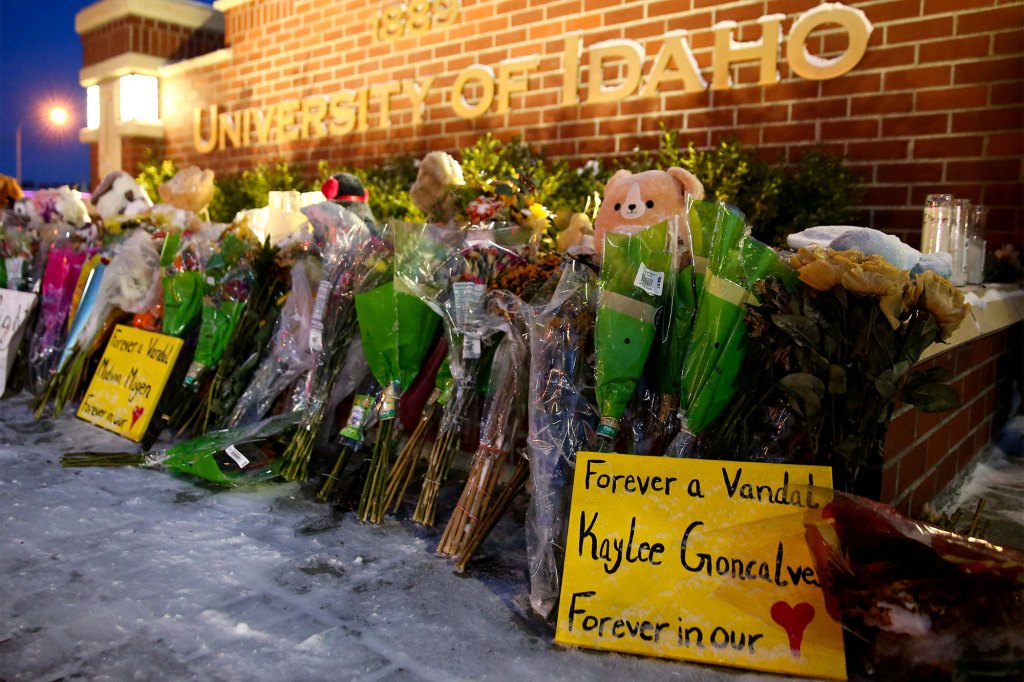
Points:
(129, 380)
(698, 560)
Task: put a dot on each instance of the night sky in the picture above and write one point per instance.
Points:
(40, 57)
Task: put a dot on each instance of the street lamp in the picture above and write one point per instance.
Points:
(58, 116)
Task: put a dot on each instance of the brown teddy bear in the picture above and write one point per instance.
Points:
(633, 202)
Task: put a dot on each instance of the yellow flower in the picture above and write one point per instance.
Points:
(817, 268)
(935, 294)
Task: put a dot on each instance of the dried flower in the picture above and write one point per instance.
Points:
(935, 294)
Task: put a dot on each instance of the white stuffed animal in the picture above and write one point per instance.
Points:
(119, 194)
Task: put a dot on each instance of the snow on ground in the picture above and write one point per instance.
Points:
(997, 477)
(121, 574)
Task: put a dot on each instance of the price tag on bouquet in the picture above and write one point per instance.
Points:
(15, 307)
(698, 560)
(129, 381)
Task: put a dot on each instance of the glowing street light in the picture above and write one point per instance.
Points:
(57, 115)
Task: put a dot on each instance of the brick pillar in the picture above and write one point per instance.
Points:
(121, 38)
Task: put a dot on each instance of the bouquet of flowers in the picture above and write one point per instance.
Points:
(129, 284)
(828, 360)
(230, 457)
(60, 277)
(501, 415)
(289, 356)
(355, 259)
(562, 419)
(634, 274)
(455, 288)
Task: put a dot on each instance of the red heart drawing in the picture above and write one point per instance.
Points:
(136, 413)
(794, 620)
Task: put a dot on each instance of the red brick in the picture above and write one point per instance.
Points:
(1007, 42)
(989, 20)
(819, 109)
(850, 129)
(927, 124)
(852, 84)
(1005, 144)
(952, 98)
(881, 104)
(989, 70)
(948, 147)
(916, 31)
(1006, 118)
(778, 113)
(797, 132)
(917, 78)
(983, 170)
(910, 172)
(879, 150)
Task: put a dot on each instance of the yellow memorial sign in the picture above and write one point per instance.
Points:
(129, 380)
(698, 560)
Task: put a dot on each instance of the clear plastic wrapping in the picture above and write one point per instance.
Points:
(290, 355)
(562, 419)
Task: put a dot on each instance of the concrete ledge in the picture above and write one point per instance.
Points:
(179, 12)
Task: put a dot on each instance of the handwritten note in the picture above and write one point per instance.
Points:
(15, 307)
(698, 560)
(129, 380)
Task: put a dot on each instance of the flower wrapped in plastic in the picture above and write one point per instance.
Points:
(230, 457)
(562, 419)
(502, 413)
(635, 284)
(917, 602)
(130, 283)
(289, 356)
(828, 359)
(354, 260)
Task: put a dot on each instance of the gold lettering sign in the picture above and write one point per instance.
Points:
(615, 72)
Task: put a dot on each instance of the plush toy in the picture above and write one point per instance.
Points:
(10, 191)
(119, 194)
(55, 207)
(633, 202)
(190, 189)
(431, 193)
(348, 191)
(577, 237)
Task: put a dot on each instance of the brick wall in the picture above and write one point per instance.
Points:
(147, 36)
(935, 104)
(924, 452)
(136, 150)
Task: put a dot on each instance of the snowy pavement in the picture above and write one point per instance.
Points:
(119, 574)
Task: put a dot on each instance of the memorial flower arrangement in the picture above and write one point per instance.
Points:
(549, 350)
(829, 359)
(355, 259)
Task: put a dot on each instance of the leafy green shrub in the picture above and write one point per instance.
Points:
(153, 173)
(818, 190)
(249, 189)
(775, 198)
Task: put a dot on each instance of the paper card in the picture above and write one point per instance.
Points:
(698, 560)
(15, 307)
(129, 380)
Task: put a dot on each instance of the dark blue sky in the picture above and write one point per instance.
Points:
(40, 57)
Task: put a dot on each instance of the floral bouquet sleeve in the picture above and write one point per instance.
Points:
(562, 419)
(353, 260)
(635, 275)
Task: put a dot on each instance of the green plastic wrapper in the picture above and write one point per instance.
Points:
(232, 457)
(719, 313)
(757, 261)
(221, 311)
(635, 274)
(396, 329)
(184, 285)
